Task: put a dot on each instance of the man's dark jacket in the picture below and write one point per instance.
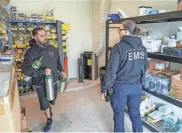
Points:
(50, 59)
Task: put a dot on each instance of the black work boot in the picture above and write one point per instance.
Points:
(48, 125)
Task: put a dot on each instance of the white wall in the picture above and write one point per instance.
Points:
(76, 12)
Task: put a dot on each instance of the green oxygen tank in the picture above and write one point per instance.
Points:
(62, 85)
(49, 87)
(37, 63)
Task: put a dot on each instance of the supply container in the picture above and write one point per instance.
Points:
(149, 8)
(113, 17)
(153, 12)
(152, 45)
(143, 10)
(172, 43)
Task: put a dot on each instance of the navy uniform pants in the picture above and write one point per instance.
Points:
(127, 95)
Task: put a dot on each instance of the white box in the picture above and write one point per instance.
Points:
(172, 43)
(152, 45)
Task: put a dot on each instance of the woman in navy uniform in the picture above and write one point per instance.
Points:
(127, 64)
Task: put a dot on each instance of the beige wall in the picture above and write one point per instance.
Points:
(76, 12)
(131, 6)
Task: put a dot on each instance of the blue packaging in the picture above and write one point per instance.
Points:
(178, 126)
(163, 85)
(153, 83)
(170, 121)
(113, 17)
(146, 80)
(153, 12)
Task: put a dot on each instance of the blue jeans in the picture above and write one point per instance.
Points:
(130, 95)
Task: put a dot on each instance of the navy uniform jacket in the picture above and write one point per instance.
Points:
(127, 63)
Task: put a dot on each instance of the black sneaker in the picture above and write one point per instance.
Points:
(48, 125)
(51, 112)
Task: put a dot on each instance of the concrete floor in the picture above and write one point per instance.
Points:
(78, 111)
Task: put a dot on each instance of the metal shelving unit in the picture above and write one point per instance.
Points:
(4, 15)
(34, 22)
(58, 28)
(165, 98)
(157, 18)
(161, 56)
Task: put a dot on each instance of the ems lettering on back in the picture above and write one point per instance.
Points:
(136, 55)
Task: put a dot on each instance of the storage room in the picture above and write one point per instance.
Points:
(90, 66)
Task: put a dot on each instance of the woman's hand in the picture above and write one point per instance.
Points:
(104, 96)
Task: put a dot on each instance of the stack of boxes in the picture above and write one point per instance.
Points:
(165, 80)
(174, 76)
(176, 86)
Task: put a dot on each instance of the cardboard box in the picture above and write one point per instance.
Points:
(152, 45)
(10, 110)
(23, 119)
(24, 123)
(168, 73)
(155, 72)
(176, 93)
(158, 65)
(176, 82)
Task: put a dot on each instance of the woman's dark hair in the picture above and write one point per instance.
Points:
(130, 26)
(36, 30)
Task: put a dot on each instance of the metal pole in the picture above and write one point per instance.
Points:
(60, 42)
(107, 41)
(81, 69)
(10, 37)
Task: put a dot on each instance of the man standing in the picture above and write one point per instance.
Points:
(128, 61)
(50, 62)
